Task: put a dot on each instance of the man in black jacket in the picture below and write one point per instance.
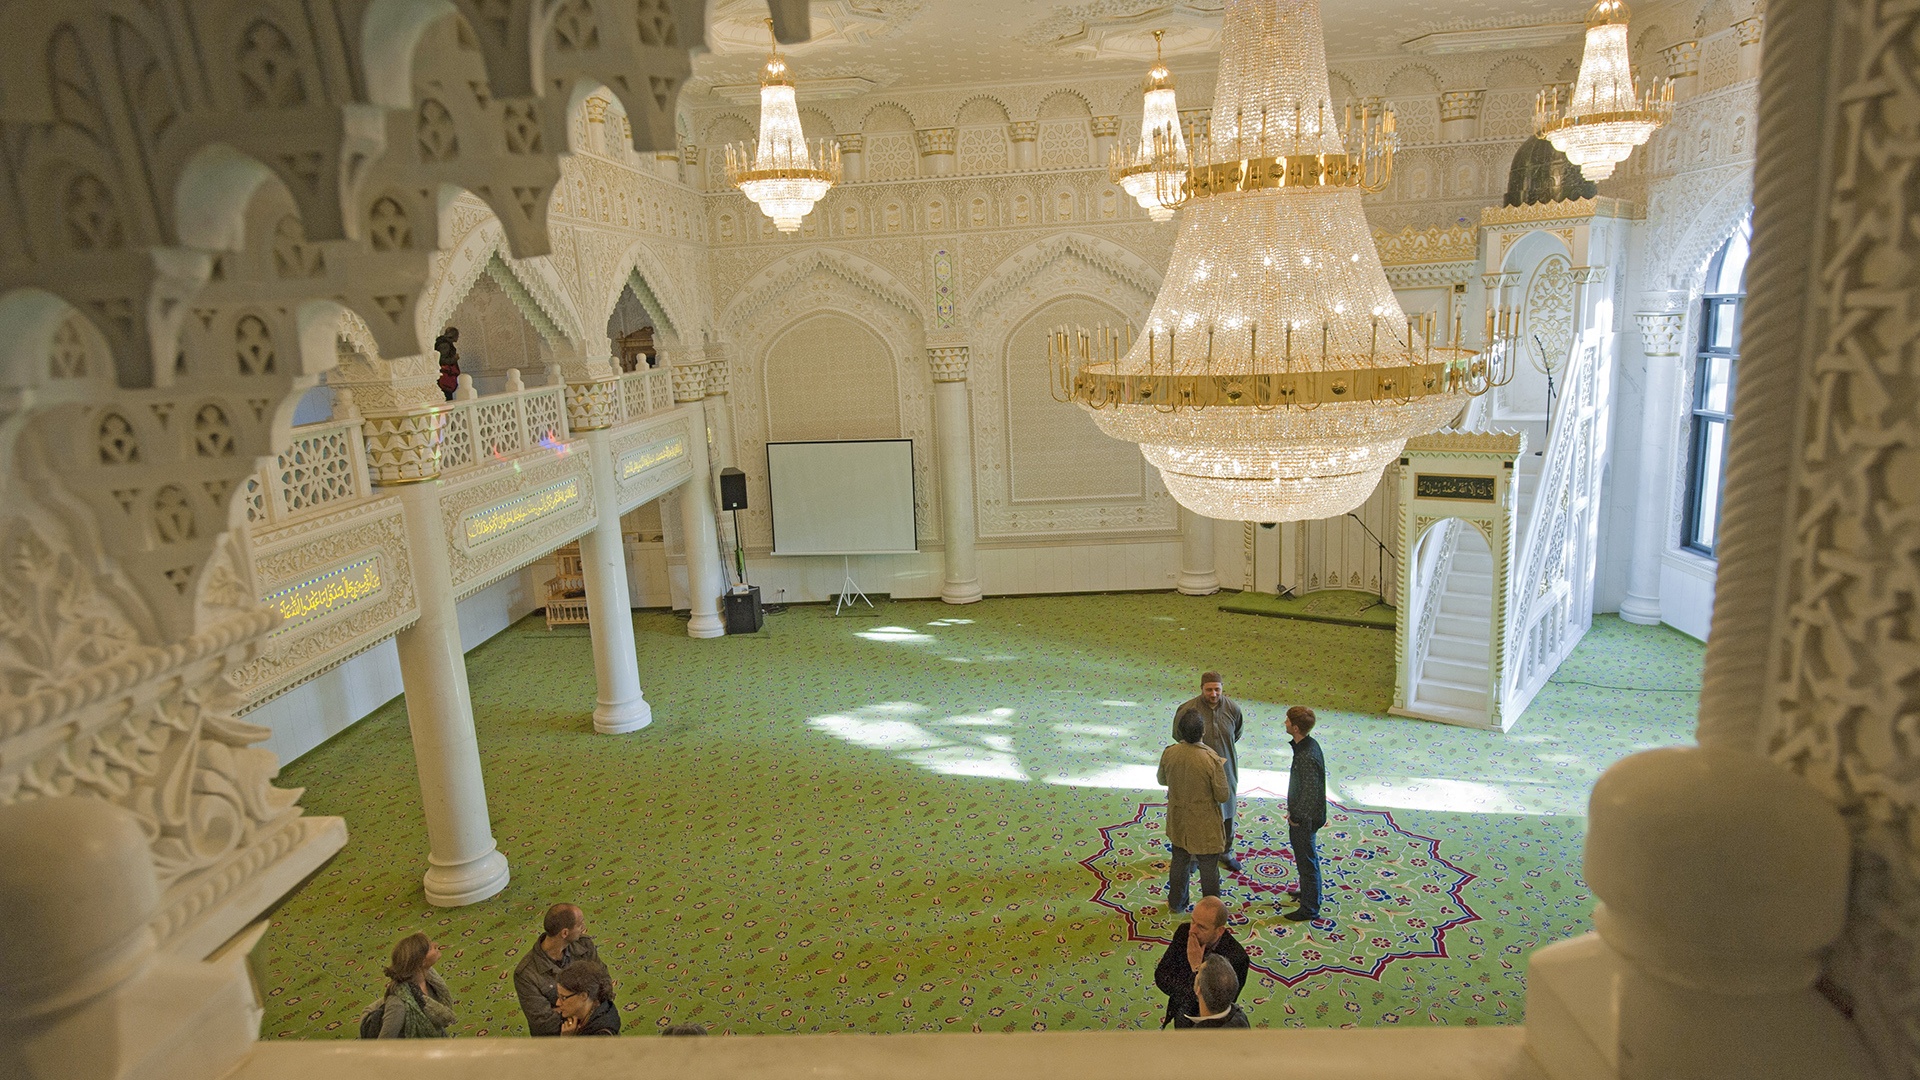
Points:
(1217, 982)
(1207, 935)
(1306, 810)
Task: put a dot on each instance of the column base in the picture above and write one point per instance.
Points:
(468, 883)
(961, 592)
(622, 718)
(706, 626)
(1198, 584)
(1641, 610)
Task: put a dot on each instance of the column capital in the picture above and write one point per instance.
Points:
(1461, 104)
(1662, 333)
(937, 140)
(402, 412)
(592, 391)
(949, 362)
(717, 373)
(1683, 59)
(852, 142)
(1589, 275)
(689, 380)
(1106, 127)
(1024, 130)
(1749, 30)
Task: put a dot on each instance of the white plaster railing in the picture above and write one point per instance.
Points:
(645, 392)
(325, 465)
(1540, 598)
(484, 430)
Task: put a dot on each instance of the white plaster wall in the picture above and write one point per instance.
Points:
(321, 708)
(1686, 593)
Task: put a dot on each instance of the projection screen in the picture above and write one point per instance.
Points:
(842, 498)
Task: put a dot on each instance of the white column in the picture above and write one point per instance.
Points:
(954, 429)
(705, 579)
(1025, 135)
(1197, 576)
(464, 866)
(1661, 335)
(853, 156)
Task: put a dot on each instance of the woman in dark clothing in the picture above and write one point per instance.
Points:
(583, 993)
(449, 361)
(417, 1004)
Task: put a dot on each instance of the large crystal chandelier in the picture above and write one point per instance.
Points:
(783, 173)
(1606, 116)
(1158, 162)
(1276, 375)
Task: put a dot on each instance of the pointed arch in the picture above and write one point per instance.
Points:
(1022, 266)
(543, 296)
(863, 274)
(674, 313)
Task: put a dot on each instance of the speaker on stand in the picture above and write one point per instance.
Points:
(743, 601)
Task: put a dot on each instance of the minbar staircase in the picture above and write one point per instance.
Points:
(1498, 592)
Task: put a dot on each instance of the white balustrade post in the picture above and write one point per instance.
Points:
(1197, 574)
(705, 578)
(1661, 336)
(620, 707)
(78, 887)
(954, 430)
(464, 864)
(1693, 853)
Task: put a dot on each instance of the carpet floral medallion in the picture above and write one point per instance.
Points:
(1386, 894)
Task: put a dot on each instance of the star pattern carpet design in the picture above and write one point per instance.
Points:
(888, 822)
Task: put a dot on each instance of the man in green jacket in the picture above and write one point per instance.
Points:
(1196, 786)
(1223, 724)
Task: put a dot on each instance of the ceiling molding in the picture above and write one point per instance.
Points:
(1493, 38)
(844, 86)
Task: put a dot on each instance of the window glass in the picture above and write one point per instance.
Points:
(1706, 521)
(1733, 264)
(1716, 370)
(1716, 379)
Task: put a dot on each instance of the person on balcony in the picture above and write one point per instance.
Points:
(563, 942)
(1204, 937)
(417, 1004)
(1196, 783)
(449, 360)
(1306, 811)
(583, 996)
(1223, 723)
(1216, 982)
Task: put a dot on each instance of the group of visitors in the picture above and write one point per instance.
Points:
(1201, 772)
(1204, 967)
(563, 987)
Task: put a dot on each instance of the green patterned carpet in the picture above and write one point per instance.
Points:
(930, 818)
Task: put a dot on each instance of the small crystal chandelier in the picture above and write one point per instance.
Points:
(1276, 376)
(783, 173)
(1158, 162)
(1606, 116)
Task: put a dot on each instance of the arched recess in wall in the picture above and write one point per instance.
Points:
(482, 242)
(864, 304)
(1054, 452)
(644, 272)
(1042, 466)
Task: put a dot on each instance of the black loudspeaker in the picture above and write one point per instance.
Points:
(743, 611)
(733, 489)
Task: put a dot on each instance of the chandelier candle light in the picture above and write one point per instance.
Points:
(783, 173)
(1157, 164)
(1277, 375)
(1606, 116)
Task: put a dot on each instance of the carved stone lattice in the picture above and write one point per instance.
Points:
(316, 470)
(1845, 692)
(496, 426)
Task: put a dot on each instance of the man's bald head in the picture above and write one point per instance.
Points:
(1210, 913)
(563, 917)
